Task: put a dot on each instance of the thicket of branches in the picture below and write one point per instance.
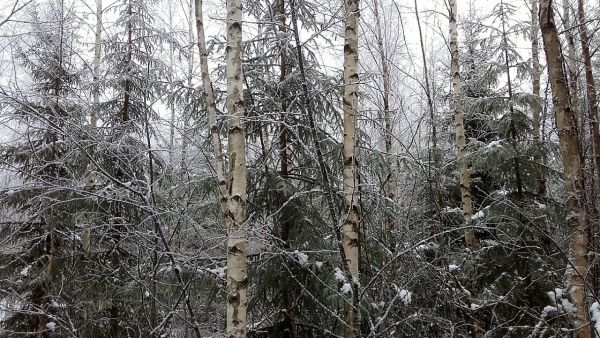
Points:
(117, 165)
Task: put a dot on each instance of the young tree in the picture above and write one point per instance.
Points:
(465, 180)
(211, 110)
(43, 160)
(566, 122)
(237, 275)
(350, 229)
(536, 118)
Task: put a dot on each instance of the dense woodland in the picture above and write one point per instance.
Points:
(299, 168)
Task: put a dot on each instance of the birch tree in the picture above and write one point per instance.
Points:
(464, 178)
(350, 228)
(237, 275)
(211, 110)
(566, 123)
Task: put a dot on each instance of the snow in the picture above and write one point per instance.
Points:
(595, 314)
(302, 257)
(494, 144)
(405, 296)
(146, 294)
(568, 306)
(449, 210)
(554, 295)
(453, 267)
(346, 288)
(25, 271)
(557, 298)
(339, 275)
(428, 246)
(51, 326)
(319, 265)
(548, 310)
(502, 192)
(540, 205)
(218, 271)
(478, 215)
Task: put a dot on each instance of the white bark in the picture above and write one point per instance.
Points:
(464, 179)
(350, 229)
(237, 276)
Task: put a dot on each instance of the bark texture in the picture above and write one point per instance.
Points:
(571, 61)
(350, 228)
(464, 179)
(566, 123)
(237, 275)
(209, 103)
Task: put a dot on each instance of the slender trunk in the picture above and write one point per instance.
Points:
(513, 132)
(350, 229)
(171, 91)
(237, 276)
(594, 130)
(536, 72)
(566, 123)
(464, 179)
(209, 102)
(96, 84)
(185, 114)
(284, 147)
(390, 184)
(437, 199)
(86, 235)
(572, 62)
(306, 109)
(590, 85)
(127, 87)
(285, 152)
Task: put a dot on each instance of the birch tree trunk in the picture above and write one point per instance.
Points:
(237, 277)
(464, 179)
(211, 111)
(350, 228)
(536, 72)
(566, 123)
(86, 236)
